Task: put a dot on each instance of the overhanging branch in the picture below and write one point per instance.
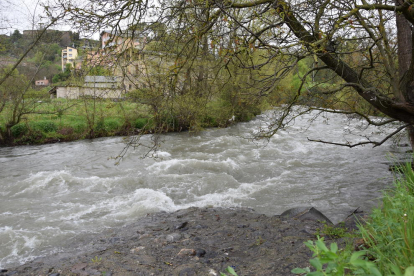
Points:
(375, 143)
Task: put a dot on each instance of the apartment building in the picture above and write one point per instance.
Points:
(69, 56)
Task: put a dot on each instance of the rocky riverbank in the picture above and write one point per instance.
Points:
(194, 241)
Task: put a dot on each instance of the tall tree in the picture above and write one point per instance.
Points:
(356, 40)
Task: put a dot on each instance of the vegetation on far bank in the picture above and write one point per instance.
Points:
(55, 120)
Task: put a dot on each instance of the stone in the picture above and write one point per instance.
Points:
(181, 225)
(186, 252)
(174, 237)
(146, 260)
(137, 250)
(200, 252)
(187, 272)
(305, 213)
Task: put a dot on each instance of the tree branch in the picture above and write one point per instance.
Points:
(375, 143)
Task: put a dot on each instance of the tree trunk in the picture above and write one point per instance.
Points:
(406, 66)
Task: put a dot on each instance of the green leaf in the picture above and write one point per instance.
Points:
(334, 247)
(298, 271)
(321, 245)
(396, 270)
(409, 271)
(374, 271)
(316, 263)
(315, 273)
(356, 255)
(231, 271)
(360, 263)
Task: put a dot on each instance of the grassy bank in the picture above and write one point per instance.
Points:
(54, 120)
(387, 246)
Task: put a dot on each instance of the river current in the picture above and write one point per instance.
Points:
(54, 193)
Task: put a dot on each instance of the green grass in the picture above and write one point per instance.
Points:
(66, 120)
(390, 232)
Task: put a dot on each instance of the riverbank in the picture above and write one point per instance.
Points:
(193, 241)
(64, 120)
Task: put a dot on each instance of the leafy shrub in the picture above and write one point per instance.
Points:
(19, 130)
(331, 261)
(79, 127)
(112, 125)
(141, 123)
(106, 126)
(390, 232)
(44, 126)
(66, 131)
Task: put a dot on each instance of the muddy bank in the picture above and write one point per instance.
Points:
(194, 241)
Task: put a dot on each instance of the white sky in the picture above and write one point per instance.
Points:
(19, 14)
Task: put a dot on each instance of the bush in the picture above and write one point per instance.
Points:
(79, 126)
(19, 130)
(390, 232)
(112, 125)
(104, 127)
(44, 126)
(141, 123)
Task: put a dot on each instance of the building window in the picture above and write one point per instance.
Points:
(70, 50)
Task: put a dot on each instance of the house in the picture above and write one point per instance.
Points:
(105, 87)
(44, 82)
(69, 56)
(120, 41)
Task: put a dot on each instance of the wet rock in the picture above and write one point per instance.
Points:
(146, 260)
(305, 213)
(186, 252)
(114, 240)
(187, 272)
(138, 250)
(181, 225)
(174, 237)
(200, 252)
(242, 225)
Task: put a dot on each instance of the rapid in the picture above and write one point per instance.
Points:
(53, 194)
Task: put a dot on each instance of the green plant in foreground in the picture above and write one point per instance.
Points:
(332, 261)
(389, 233)
(330, 231)
(229, 270)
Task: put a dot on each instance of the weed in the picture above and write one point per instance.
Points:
(332, 261)
(338, 231)
(229, 270)
(96, 260)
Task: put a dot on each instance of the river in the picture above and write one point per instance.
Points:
(51, 194)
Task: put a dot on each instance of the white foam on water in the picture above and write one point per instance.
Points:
(52, 193)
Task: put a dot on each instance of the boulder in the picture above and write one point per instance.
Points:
(305, 213)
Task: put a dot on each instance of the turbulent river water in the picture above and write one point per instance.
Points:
(50, 194)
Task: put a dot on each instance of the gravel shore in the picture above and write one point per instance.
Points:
(194, 241)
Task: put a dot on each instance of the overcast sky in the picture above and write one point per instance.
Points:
(19, 14)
